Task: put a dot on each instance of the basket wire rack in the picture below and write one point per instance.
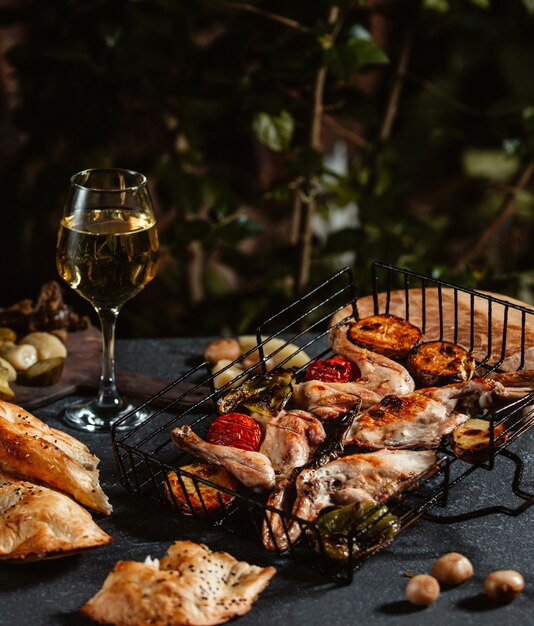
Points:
(151, 466)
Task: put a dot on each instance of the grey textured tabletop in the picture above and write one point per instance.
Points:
(51, 592)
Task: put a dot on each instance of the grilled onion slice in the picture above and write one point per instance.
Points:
(436, 363)
(386, 334)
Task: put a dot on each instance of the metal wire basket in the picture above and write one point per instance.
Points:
(151, 465)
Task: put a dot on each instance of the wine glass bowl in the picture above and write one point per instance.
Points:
(107, 251)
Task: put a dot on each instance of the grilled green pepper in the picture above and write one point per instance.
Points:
(264, 393)
(367, 523)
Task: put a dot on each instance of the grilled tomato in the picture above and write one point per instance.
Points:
(386, 334)
(337, 369)
(194, 497)
(237, 430)
(437, 363)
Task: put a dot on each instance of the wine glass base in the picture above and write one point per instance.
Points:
(91, 417)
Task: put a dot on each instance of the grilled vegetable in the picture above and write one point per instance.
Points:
(437, 363)
(196, 498)
(236, 430)
(43, 373)
(386, 334)
(369, 526)
(337, 369)
(48, 346)
(471, 440)
(264, 393)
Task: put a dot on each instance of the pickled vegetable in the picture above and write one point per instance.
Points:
(43, 373)
(20, 357)
(6, 393)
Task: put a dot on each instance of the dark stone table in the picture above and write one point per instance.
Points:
(52, 592)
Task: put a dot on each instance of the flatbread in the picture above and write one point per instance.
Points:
(489, 330)
(32, 450)
(40, 523)
(191, 586)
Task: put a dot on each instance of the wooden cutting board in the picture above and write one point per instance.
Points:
(81, 374)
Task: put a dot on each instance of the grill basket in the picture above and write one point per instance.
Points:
(149, 463)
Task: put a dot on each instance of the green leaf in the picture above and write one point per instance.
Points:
(440, 6)
(529, 5)
(274, 131)
(493, 165)
(344, 59)
(482, 4)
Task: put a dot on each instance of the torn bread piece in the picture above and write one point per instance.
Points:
(190, 586)
(32, 450)
(40, 523)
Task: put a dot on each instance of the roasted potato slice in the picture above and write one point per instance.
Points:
(386, 334)
(471, 440)
(205, 500)
(436, 363)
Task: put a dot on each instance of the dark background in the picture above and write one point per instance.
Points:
(282, 141)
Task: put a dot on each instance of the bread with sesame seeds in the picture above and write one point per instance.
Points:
(40, 523)
(31, 450)
(191, 586)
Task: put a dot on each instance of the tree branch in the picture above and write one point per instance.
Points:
(250, 8)
(396, 90)
(308, 205)
(505, 212)
(347, 134)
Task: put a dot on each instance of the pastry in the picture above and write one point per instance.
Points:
(40, 523)
(32, 450)
(191, 586)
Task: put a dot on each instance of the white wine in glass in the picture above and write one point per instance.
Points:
(107, 251)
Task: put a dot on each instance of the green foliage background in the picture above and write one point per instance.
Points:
(216, 102)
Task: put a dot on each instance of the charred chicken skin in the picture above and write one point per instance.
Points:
(421, 419)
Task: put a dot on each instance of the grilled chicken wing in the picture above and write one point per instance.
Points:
(328, 400)
(422, 418)
(290, 439)
(253, 469)
(379, 376)
(370, 477)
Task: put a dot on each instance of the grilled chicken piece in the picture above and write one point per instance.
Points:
(379, 376)
(436, 363)
(40, 523)
(192, 585)
(253, 469)
(274, 530)
(290, 439)
(518, 384)
(371, 477)
(422, 418)
(386, 334)
(328, 400)
(387, 376)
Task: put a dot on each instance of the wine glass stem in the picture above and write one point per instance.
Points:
(108, 396)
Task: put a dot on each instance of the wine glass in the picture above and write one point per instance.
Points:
(107, 251)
